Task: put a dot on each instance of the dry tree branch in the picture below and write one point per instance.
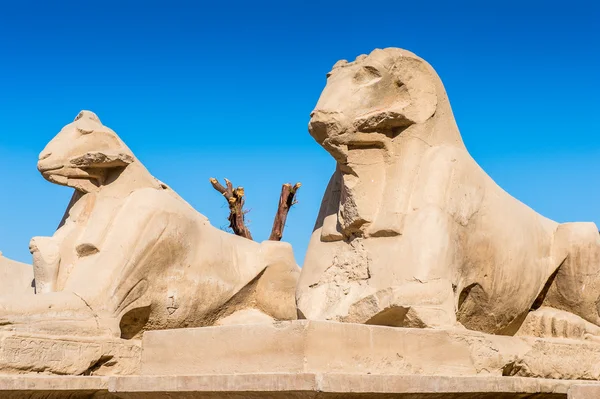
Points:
(235, 200)
(286, 201)
(217, 186)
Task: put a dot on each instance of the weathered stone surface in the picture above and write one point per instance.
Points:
(584, 392)
(54, 387)
(336, 386)
(22, 353)
(413, 233)
(329, 347)
(285, 385)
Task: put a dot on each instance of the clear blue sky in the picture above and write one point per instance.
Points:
(225, 88)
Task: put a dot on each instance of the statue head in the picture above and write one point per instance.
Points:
(371, 101)
(373, 114)
(83, 154)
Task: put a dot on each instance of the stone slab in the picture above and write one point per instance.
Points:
(327, 347)
(51, 387)
(31, 353)
(286, 385)
(591, 391)
(306, 385)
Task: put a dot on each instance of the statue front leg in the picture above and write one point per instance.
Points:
(54, 313)
(101, 285)
(575, 286)
(46, 260)
(46, 256)
(414, 287)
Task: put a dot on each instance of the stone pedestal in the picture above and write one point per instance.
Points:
(292, 386)
(326, 347)
(317, 360)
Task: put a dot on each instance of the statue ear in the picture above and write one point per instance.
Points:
(102, 159)
(420, 83)
(414, 100)
(87, 122)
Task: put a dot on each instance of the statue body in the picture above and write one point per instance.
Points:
(412, 232)
(16, 278)
(131, 255)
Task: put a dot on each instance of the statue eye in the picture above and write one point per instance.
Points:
(367, 75)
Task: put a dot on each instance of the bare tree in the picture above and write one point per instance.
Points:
(286, 200)
(235, 201)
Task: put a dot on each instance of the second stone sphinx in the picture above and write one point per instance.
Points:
(413, 233)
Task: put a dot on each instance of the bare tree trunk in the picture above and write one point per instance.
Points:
(235, 200)
(286, 201)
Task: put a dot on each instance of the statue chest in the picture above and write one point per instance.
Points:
(85, 230)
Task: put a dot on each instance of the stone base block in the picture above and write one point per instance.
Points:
(327, 347)
(292, 386)
(27, 353)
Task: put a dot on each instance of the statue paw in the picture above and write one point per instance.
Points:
(547, 322)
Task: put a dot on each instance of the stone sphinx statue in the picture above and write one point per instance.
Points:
(413, 233)
(131, 255)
